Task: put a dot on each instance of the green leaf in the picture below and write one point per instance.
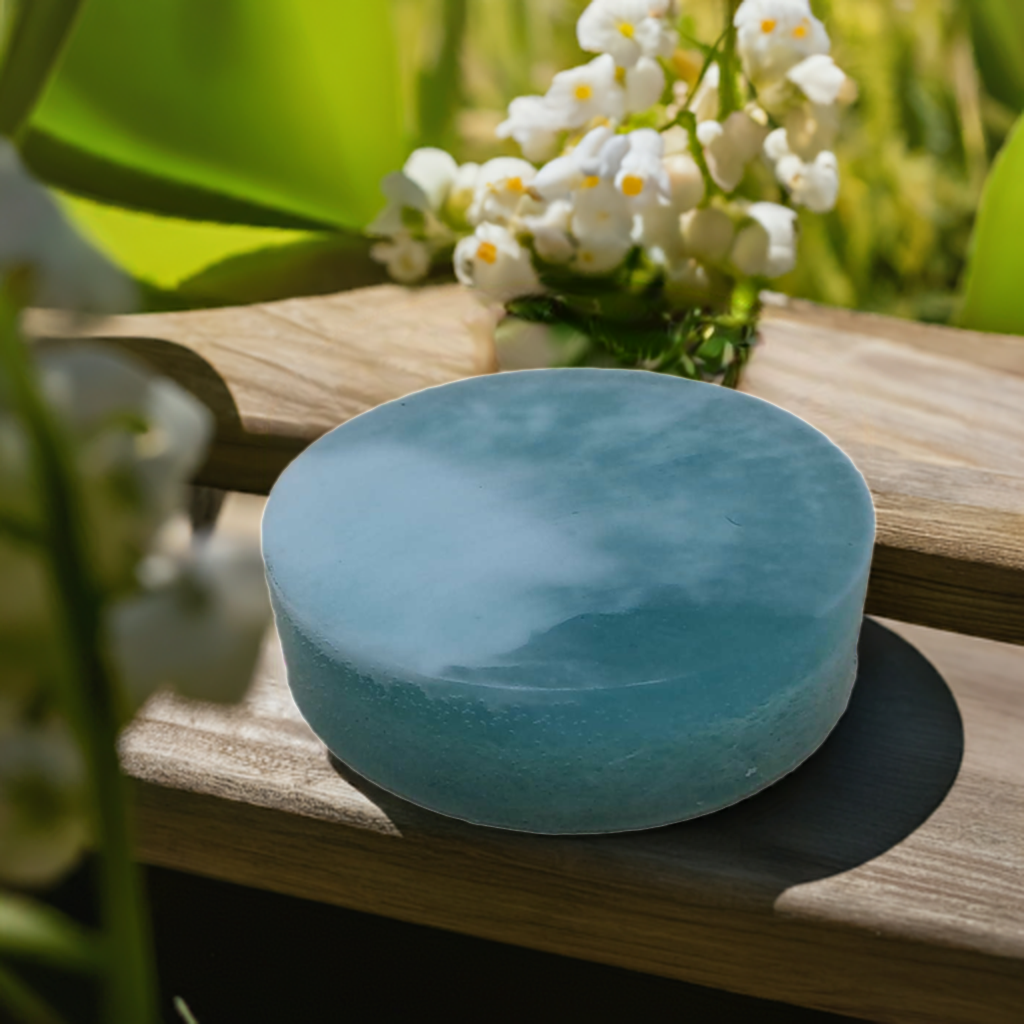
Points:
(22, 1003)
(998, 29)
(313, 266)
(994, 300)
(32, 931)
(162, 251)
(38, 35)
(291, 105)
(183, 1011)
(71, 169)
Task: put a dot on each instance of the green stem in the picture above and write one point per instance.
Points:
(441, 86)
(521, 49)
(728, 88)
(35, 45)
(89, 694)
(688, 120)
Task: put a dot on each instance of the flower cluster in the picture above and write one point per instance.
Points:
(120, 445)
(654, 199)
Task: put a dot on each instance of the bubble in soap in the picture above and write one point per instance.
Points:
(571, 600)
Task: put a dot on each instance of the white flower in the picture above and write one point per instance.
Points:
(811, 128)
(500, 186)
(627, 30)
(433, 170)
(641, 177)
(729, 147)
(549, 226)
(658, 224)
(493, 262)
(601, 214)
(67, 272)
(461, 194)
(687, 281)
(776, 146)
(421, 186)
(197, 627)
(818, 78)
(645, 83)
(565, 173)
(43, 821)
(708, 233)
(584, 94)
(814, 185)
(533, 124)
(676, 140)
(601, 254)
(407, 259)
(140, 440)
(685, 181)
(705, 101)
(766, 245)
(775, 35)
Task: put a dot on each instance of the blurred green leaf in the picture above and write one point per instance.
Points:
(998, 29)
(164, 251)
(32, 931)
(314, 266)
(67, 167)
(38, 33)
(994, 299)
(22, 1004)
(292, 105)
(440, 92)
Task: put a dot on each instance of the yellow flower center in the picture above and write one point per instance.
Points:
(488, 252)
(586, 256)
(591, 181)
(584, 92)
(800, 32)
(620, 76)
(632, 185)
(627, 29)
(515, 185)
(768, 25)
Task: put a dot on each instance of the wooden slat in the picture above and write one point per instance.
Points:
(279, 375)
(934, 417)
(884, 879)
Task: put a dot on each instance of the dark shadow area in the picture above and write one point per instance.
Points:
(238, 460)
(242, 956)
(885, 768)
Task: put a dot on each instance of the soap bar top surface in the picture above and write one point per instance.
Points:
(573, 530)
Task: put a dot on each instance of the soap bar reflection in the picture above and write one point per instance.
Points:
(571, 600)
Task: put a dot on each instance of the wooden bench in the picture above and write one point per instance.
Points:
(885, 879)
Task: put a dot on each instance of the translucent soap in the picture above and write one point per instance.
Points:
(571, 601)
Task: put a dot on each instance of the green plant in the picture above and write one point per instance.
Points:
(99, 603)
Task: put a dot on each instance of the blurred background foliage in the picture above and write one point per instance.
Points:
(247, 140)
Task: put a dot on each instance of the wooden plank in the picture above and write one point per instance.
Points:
(279, 375)
(934, 417)
(1002, 352)
(941, 443)
(884, 879)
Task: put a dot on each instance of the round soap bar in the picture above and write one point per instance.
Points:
(571, 600)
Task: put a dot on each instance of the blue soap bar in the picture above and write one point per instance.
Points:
(574, 600)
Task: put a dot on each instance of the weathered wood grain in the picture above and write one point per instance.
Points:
(934, 417)
(279, 375)
(941, 443)
(884, 879)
